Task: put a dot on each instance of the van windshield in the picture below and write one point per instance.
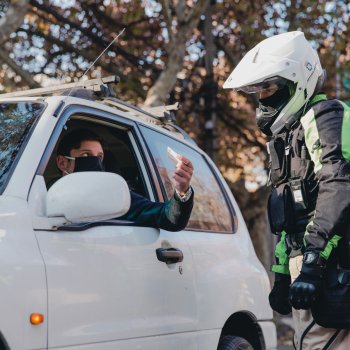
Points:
(16, 120)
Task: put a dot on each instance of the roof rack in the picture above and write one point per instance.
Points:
(161, 115)
(93, 84)
(161, 110)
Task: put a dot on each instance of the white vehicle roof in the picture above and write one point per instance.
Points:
(97, 93)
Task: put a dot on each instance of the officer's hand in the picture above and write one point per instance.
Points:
(183, 174)
(306, 288)
(278, 297)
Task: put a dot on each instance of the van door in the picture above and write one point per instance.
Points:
(229, 278)
(107, 287)
(105, 283)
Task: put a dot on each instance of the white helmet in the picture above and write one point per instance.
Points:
(284, 62)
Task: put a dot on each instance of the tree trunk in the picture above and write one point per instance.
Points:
(210, 88)
(158, 93)
(187, 22)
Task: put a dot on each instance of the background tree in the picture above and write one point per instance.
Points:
(11, 17)
(176, 51)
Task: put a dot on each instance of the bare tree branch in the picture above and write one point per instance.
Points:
(89, 56)
(167, 17)
(245, 133)
(158, 93)
(18, 70)
(97, 40)
(196, 11)
(13, 18)
(180, 8)
(292, 18)
(233, 63)
(104, 17)
(228, 52)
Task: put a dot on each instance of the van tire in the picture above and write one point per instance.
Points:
(231, 342)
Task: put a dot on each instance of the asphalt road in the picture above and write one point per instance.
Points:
(285, 332)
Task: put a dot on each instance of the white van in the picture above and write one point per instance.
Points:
(72, 277)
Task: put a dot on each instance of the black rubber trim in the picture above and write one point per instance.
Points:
(3, 343)
(86, 225)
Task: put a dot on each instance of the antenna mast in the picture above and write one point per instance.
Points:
(93, 63)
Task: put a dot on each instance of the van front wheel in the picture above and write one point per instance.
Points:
(230, 342)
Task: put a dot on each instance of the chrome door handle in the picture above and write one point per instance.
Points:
(169, 255)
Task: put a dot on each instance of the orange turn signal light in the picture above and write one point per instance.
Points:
(36, 318)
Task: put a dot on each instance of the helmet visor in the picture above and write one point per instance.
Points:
(267, 87)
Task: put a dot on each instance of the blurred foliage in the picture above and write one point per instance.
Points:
(60, 38)
(4, 5)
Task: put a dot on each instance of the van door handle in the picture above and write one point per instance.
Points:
(169, 255)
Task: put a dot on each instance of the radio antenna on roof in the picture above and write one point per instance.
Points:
(93, 63)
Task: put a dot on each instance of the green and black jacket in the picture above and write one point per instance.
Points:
(326, 126)
(327, 137)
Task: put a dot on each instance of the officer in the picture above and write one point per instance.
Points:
(309, 148)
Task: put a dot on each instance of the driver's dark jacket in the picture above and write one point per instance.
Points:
(171, 216)
(326, 135)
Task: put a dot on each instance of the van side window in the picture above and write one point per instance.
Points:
(211, 211)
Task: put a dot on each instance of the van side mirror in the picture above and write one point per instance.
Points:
(88, 196)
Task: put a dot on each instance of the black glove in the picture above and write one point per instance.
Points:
(278, 297)
(306, 288)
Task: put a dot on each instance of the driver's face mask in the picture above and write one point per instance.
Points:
(90, 163)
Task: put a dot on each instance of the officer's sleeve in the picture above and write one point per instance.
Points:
(327, 137)
(171, 216)
(281, 256)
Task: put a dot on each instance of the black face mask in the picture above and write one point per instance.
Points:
(278, 99)
(270, 107)
(89, 163)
